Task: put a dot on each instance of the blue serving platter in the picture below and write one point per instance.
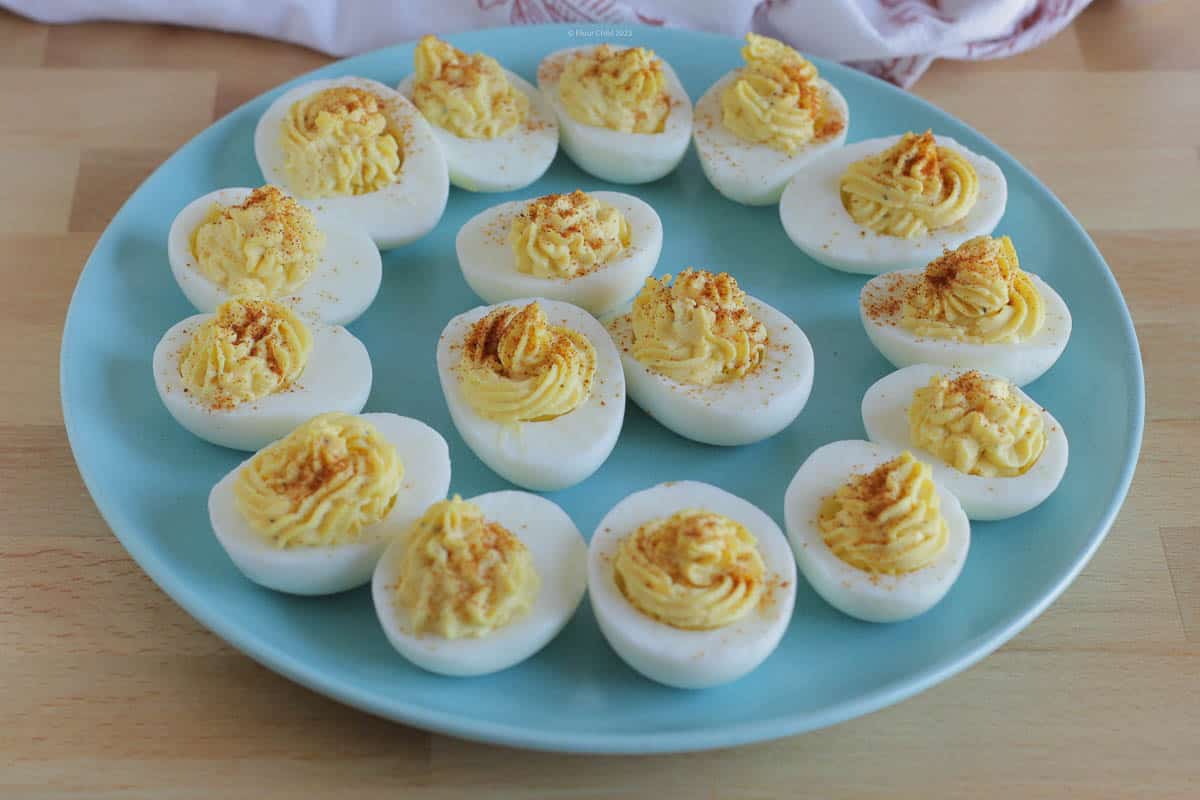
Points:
(150, 478)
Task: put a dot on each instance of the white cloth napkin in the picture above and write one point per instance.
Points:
(893, 39)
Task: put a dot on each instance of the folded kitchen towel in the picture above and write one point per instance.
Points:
(893, 39)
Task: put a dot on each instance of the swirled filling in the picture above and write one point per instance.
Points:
(249, 349)
(978, 425)
(775, 99)
(468, 95)
(321, 485)
(697, 330)
(622, 90)
(567, 235)
(695, 570)
(517, 367)
(977, 293)
(461, 575)
(888, 521)
(911, 188)
(338, 142)
(266, 247)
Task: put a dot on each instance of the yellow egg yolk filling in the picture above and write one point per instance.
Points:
(977, 293)
(266, 246)
(249, 349)
(979, 426)
(463, 576)
(775, 99)
(468, 95)
(694, 570)
(622, 90)
(888, 521)
(321, 485)
(517, 367)
(910, 189)
(567, 235)
(338, 142)
(697, 330)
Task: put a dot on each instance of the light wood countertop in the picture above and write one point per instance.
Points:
(109, 690)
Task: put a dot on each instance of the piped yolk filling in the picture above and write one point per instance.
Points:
(697, 329)
(977, 293)
(567, 235)
(321, 485)
(887, 521)
(462, 575)
(468, 95)
(694, 570)
(910, 189)
(620, 89)
(978, 425)
(517, 367)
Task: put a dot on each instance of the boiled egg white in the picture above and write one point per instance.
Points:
(401, 211)
(612, 155)
(490, 267)
(1021, 362)
(559, 557)
(737, 412)
(816, 221)
(508, 162)
(337, 377)
(552, 454)
(867, 596)
(885, 416)
(746, 172)
(341, 288)
(336, 568)
(690, 659)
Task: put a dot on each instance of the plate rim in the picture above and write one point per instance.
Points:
(515, 735)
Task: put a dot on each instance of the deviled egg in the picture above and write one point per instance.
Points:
(479, 585)
(252, 371)
(692, 586)
(496, 130)
(311, 513)
(593, 250)
(710, 362)
(759, 124)
(986, 441)
(623, 115)
(359, 152)
(892, 203)
(535, 389)
(973, 307)
(873, 532)
(262, 243)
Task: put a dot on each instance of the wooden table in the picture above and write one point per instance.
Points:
(109, 690)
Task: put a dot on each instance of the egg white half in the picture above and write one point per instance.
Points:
(739, 412)
(689, 659)
(885, 416)
(612, 155)
(540, 456)
(873, 598)
(490, 267)
(1021, 362)
(749, 173)
(398, 213)
(560, 557)
(337, 377)
(816, 221)
(505, 163)
(337, 568)
(341, 288)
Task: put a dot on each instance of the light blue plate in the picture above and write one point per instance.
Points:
(150, 478)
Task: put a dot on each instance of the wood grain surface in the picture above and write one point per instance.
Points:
(109, 690)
